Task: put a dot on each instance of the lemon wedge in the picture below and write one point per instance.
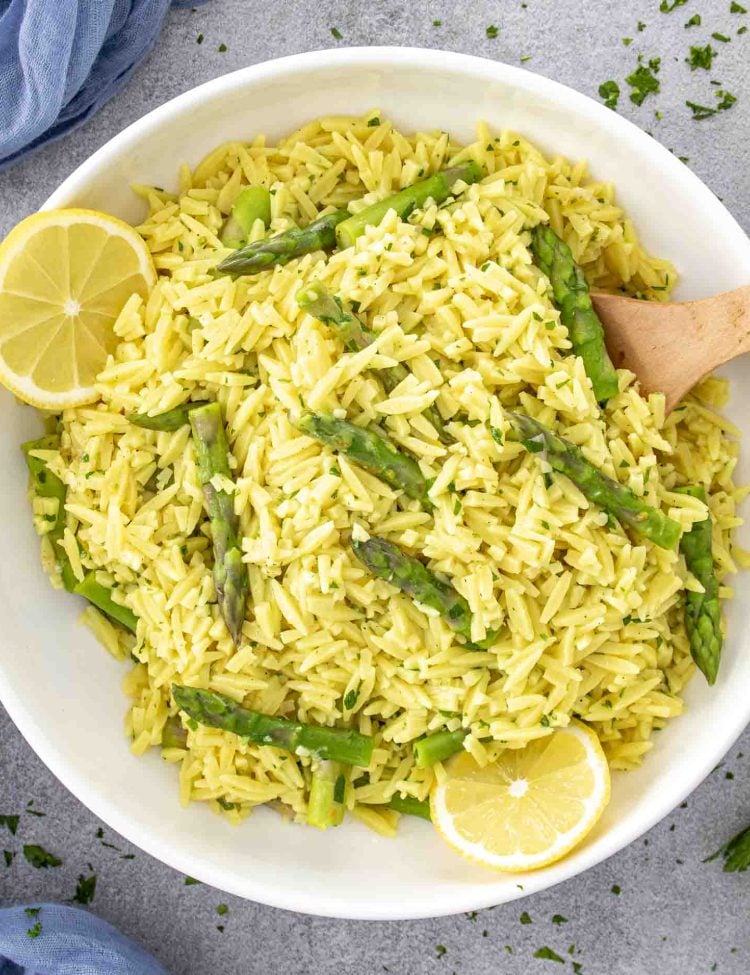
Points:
(64, 277)
(528, 808)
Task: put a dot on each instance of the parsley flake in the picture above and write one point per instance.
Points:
(40, 858)
(525, 918)
(616, 890)
(610, 92)
(440, 950)
(222, 909)
(31, 911)
(736, 8)
(695, 21)
(85, 889)
(666, 7)
(548, 954)
(721, 37)
(492, 31)
(189, 881)
(559, 919)
(35, 931)
(8, 857)
(11, 822)
(644, 82)
(337, 33)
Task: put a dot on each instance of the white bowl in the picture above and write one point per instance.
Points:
(64, 692)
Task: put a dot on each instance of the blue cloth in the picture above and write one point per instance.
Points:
(61, 60)
(69, 942)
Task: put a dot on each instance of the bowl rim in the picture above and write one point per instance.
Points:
(322, 903)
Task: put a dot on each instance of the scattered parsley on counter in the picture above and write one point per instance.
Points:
(640, 26)
(31, 911)
(35, 931)
(85, 889)
(222, 48)
(492, 31)
(222, 909)
(337, 34)
(440, 950)
(39, 857)
(695, 21)
(725, 100)
(736, 853)
(616, 889)
(721, 37)
(525, 918)
(199, 39)
(610, 92)
(627, 41)
(437, 23)
(8, 857)
(559, 919)
(11, 822)
(548, 954)
(736, 8)
(644, 82)
(666, 7)
(743, 29)
(189, 881)
(701, 57)
(524, 58)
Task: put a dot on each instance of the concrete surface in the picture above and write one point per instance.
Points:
(674, 915)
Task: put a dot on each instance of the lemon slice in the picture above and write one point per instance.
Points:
(528, 808)
(64, 277)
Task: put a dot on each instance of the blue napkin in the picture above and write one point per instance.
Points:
(49, 939)
(61, 60)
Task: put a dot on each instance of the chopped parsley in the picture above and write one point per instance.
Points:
(337, 33)
(39, 857)
(525, 918)
(440, 950)
(627, 41)
(737, 8)
(222, 909)
(32, 911)
(643, 81)
(437, 23)
(199, 39)
(610, 92)
(35, 931)
(11, 822)
(666, 7)
(350, 699)
(559, 919)
(616, 890)
(222, 48)
(8, 856)
(492, 31)
(85, 889)
(725, 100)
(524, 58)
(695, 21)
(548, 954)
(721, 37)
(641, 26)
(189, 881)
(701, 57)
(373, 122)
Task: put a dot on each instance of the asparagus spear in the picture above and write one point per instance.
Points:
(101, 597)
(49, 485)
(261, 254)
(438, 747)
(410, 806)
(387, 561)
(342, 228)
(251, 204)
(331, 310)
(369, 450)
(571, 293)
(173, 733)
(616, 499)
(169, 421)
(702, 609)
(325, 807)
(437, 187)
(333, 744)
(230, 572)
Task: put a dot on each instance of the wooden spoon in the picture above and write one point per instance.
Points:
(671, 346)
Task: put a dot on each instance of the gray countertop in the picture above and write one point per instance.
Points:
(655, 907)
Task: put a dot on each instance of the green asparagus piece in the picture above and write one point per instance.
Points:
(736, 853)
(262, 254)
(370, 450)
(326, 807)
(571, 293)
(173, 734)
(230, 572)
(251, 204)
(333, 744)
(387, 561)
(616, 499)
(702, 609)
(101, 597)
(331, 310)
(438, 747)
(49, 485)
(169, 421)
(410, 806)
(437, 187)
